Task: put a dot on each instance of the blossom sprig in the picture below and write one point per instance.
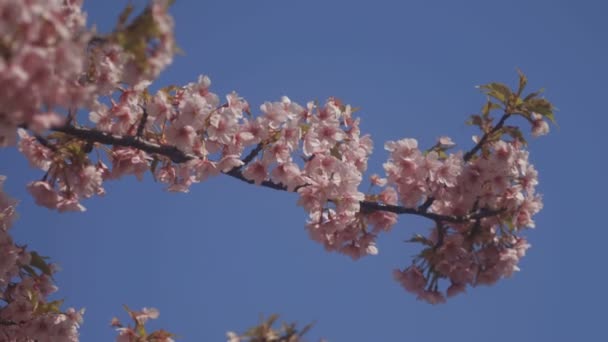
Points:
(26, 312)
(137, 332)
(42, 55)
(495, 175)
(267, 332)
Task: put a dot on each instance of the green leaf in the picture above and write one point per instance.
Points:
(124, 16)
(271, 320)
(475, 120)
(488, 107)
(533, 95)
(29, 270)
(306, 329)
(542, 107)
(498, 91)
(335, 152)
(515, 133)
(523, 81)
(141, 330)
(50, 307)
(38, 262)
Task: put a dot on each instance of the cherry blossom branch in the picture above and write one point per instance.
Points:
(236, 173)
(178, 156)
(93, 135)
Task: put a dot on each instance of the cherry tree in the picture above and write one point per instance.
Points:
(76, 103)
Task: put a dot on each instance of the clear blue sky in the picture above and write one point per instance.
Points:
(215, 259)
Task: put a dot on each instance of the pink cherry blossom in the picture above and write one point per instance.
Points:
(539, 126)
(256, 172)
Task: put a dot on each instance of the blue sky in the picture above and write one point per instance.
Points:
(217, 258)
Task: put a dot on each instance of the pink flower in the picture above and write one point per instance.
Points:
(70, 203)
(86, 181)
(159, 108)
(183, 137)
(256, 172)
(232, 337)
(145, 314)
(38, 155)
(223, 126)
(455, 289)
(287, 174)
(44, 121)
(539, 126)
(432, 297)
(411, 279)
(382, 220)
(229, 162)
(449, 171)
(44, 194)
(127, 160)
(403, 147)
(203, 169)
(376, 180)
(446, 142)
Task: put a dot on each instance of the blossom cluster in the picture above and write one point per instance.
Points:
(69, 176)
(266, 331)
(49, 60)
(42, 56)
(25, 285)
(214, 136)
(135, 54)
(473, 252)
(137, 332)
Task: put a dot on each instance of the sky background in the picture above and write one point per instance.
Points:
(219, 257)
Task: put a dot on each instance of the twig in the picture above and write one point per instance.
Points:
(483, 139)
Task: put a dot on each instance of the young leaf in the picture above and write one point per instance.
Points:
(124, 16)
(542, 107)
(498, 91)
(38, 262)
(515, 133)
(523, 81)
(475, 120)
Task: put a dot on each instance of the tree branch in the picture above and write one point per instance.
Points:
(254, 153)
(367, 206)
(178, 156)
(88, 134)
(483, 139)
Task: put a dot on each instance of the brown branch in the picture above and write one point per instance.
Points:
(254, 153)
(236, 173)
(142, 122)
(178, 156)
(172, 152)
(367, 206)
(483, 139)
(8, 322)
(425, 206)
